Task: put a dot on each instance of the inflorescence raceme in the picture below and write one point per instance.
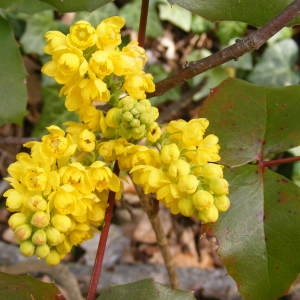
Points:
(60, 189)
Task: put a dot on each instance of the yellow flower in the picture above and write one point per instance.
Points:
(86, 140)
(64, 199)
(108, 32)
(56, 41)
(82, 35)
(154, 133)
(94, 90)
(101, 64)
(169, 153)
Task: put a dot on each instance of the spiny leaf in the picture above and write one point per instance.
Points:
(254, 12)
(145, 289)
(12, 78)
(15, 287)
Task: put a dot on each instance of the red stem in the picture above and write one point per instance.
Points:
(102, 243)
(143, 22)
(280, 161)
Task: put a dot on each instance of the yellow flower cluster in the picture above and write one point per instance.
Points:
(59, 193)
(94, 70)
(183, 174)
(60, 188)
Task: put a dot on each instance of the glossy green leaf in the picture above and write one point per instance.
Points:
(254, 12)
(145, 289)
(259, 237)
(78, 5)
(12, 78)
(277, 66)
(252, 120)
(7, 3)
(16, 287)
(54, 111)
(27, 6)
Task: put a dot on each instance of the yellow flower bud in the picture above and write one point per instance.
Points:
(23, 232)
(219, 186)
(54, 237)
(27, 248)
(86, 140)
(53, 258)
(39, 237)
(61, 222)
(37, 203)
(202, 199)
(222, 203)
(209, 215)
(185, 207)
(40, 219)
(188, 184)
(211, 171)
(16, 220)
(179, 168)
(42, 251)
(14, 200)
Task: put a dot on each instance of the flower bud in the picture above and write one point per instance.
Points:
(39, 237)
(54, 237)
(222, 203)
(219, 186)
(40, 219)
(212, 171)
(16, 220)
(209, 215)
(27, 248)
(42, 251)
(23, 232)
(179, 168)
(185, 207)
(37, 202)
(61, 222)
(202, 199)
(53, 258)
(188, 184)
(169, 153)
(14, 200)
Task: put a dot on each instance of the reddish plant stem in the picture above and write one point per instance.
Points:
(251, 42)
(143, 22)
(102, 243)
(279, 161)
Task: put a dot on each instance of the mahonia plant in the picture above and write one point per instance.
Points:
(60, 188)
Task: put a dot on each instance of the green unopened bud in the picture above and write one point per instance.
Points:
(209, 215)
(219, 186)
(42, 251)
(127, 116)
(53, 258)
(202, 199)
(40, 219)
(112, 118)
(222, 203)
(135, 123)
(54, 237)
(61, 222)
(37, 203)
(16, 220)
(23, 232)
(27, 248)
(39, 237)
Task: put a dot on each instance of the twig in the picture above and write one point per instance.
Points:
(251, 42)
(102, 242)
(280, 161)
(11, 140)
(151, 207)
(143, 22)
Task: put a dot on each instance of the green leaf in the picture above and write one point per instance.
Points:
(26, 6)
(78, 5)
(12, 78)
(16, 287)
(36, 26)
(277, 65)
(176, 15)
(259, 236)
(96, 16)
(251, 120)
(227, 30)
(254, 12)
(145, 289)
(131, 13)
(54, 111)
(7, 3)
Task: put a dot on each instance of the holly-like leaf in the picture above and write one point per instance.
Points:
(78, 5)
(259, 237)
(252, 120)
(145, 289)
(12, 78)
(277, 65)
(254, 12)
(15, 287)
